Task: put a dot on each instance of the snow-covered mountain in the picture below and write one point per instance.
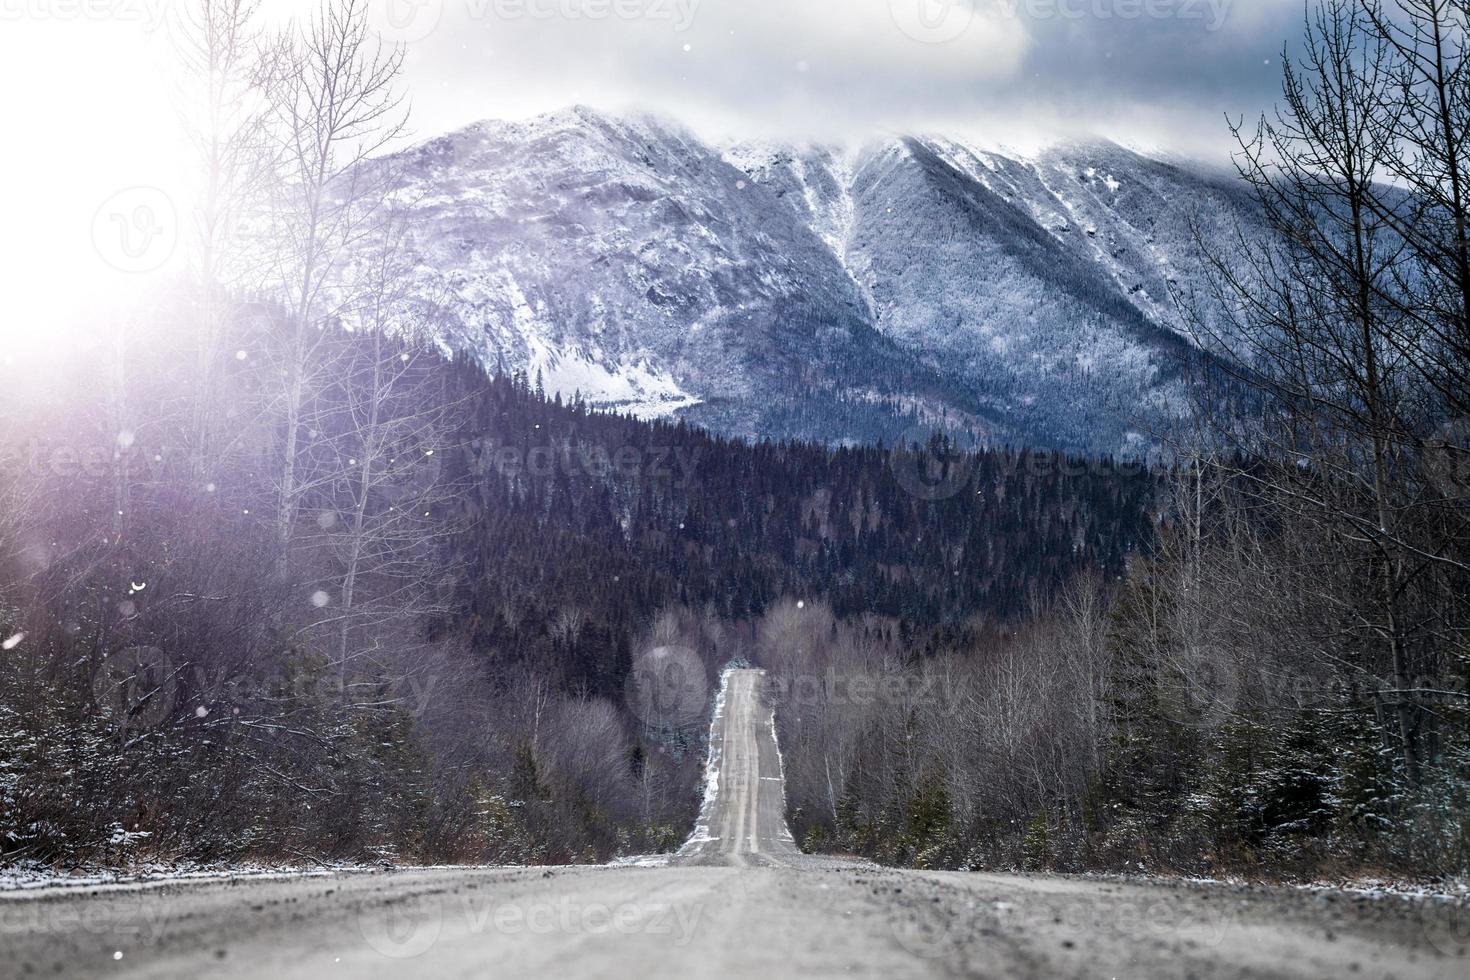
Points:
(842, 294)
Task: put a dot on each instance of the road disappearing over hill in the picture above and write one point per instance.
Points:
(743, 822)
(738, 900)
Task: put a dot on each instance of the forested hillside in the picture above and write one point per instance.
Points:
(430, 656)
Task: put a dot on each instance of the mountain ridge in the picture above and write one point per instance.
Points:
(841, 293)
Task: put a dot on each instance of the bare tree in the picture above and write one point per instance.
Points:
(1317, 321)
(1430, 128)
(225, 67)
(385, 429)
(337, 106)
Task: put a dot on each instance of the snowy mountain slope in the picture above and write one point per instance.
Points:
(837, 293)
(1048, 282)
(625, 260)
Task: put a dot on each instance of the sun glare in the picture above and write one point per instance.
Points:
(90, 184)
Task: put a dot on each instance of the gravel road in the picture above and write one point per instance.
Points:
(739, 900)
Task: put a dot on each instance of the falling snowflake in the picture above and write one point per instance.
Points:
(201, 712)
(125, 439)
(12, 642)
(319, 598)
(240, 355)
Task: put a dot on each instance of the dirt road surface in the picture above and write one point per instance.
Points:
(739, 900)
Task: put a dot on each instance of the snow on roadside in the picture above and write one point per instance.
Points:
(641, 861)
(1457, 890)
(781, 759)
(1375, 888)
(31, 880)
(35, 880)
(701, 833)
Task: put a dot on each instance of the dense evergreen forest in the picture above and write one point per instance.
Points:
(604, 521)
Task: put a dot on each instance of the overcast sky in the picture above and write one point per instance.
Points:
(89, 106)
(1154, 71)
